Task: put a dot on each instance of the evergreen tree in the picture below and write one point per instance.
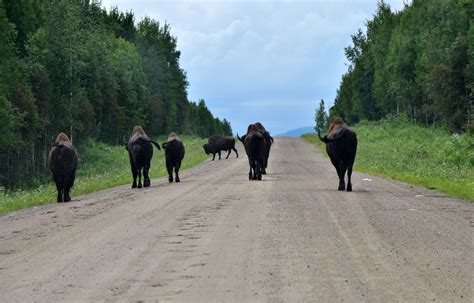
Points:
(417, 61)
(321, 117)
(72, 66)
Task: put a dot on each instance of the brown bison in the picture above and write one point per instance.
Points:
(216, 144)
(268, 140)
(140, 152)
(62, 161)
(341, 146)
(174, 154)
(256, 147)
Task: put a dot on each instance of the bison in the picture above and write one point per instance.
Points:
(341, 146)
(140, 152)
(174, 154)
(268, 140)
(62, 161)
(256, 147)
(216, 144)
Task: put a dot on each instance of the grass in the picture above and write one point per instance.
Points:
(101, 166)
(430, 157)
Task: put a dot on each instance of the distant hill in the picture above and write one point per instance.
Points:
(298, 132)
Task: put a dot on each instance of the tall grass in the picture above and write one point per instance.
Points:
(431, 157)
(101, 166)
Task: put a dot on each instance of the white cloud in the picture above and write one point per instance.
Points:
(261, 60)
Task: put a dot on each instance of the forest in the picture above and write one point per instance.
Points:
(418, 61)
(72, 66)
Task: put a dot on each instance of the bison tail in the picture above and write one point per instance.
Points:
(151, 141)
(324, 139)
(267, 135)
(156, 144)
(240, 139)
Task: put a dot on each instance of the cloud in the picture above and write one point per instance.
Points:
(270, 61)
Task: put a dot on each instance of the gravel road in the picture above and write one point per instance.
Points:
(218, 237)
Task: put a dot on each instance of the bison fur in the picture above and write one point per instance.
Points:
(341, 146)
(256, 147)
(140, 151)
(174, 154)
(268, 141)
(216, 144)
(62, 161)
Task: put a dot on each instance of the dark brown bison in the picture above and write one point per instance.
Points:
(174, 154)
(341, 146)
(268, 140)
(140, 152)
(216, 144)
(62, 161)
(256, 147)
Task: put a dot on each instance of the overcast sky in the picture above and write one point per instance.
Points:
(267, 61)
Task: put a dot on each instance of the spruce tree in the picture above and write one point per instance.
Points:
(321, 117)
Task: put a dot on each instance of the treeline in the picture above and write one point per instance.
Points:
(70, 65)
(419, 61)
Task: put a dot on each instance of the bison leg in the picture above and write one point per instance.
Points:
(68, 183)
(176, 171)
(67, 198)
(250, 169)
(255, 170)
(341, 172)
(219, 152)
(59, 199)
(349, 174)
(233, 148)
(260, 169)
(259, 172)
(139, 173)
(134, 175)
(146, 177)
(228, 153)
(213, 156)
(169, 168)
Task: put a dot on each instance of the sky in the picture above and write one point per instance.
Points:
(266, 61)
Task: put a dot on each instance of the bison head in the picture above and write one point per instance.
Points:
(206, 148)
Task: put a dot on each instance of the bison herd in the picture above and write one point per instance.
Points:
(341, 146)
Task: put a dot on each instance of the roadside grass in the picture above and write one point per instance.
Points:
(101, 166)
(430, 157)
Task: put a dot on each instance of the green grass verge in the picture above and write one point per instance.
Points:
(430, 157)
(101, 166)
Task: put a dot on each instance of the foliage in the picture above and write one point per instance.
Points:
(101, 166)
(430, 156)
(72, 66)
(321, 118)
(418, 61)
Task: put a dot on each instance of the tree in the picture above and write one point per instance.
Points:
(321, 117)
(69, 65)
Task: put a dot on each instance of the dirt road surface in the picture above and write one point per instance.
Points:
(218, 237)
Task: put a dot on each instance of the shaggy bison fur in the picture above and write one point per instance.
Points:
(140, 152)
(216, 144)
(62, 161)
(341, 146)
(256, 147)
(174, 154)
(268, 141)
